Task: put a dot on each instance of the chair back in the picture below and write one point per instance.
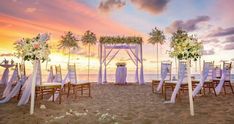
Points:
(217, 71)
(58, 74)
(51, 70)
(227, 68)
(21, 70)
(182, 72)
(39, 74)
(210, 66)
(72, 73)
(166, 66)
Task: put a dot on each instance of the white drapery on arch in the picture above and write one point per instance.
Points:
(134, 51)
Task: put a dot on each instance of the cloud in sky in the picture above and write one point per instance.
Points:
(229, 46)
(229, 39)
(222, 32)
(7, 55)
(208, 52)
(189, 25)
(210, 41)
(151, 6)
(30, 10)
(109, 5)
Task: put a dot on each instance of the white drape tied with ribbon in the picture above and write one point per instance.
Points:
(15, 90)
(225, 74)
(182, 77)
(5, 76)
(13, 80)
(28, 84)
(50, 76)
(204, 76)
(164, 72)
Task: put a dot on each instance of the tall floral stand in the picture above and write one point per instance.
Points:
(190, 87)
(35, 69)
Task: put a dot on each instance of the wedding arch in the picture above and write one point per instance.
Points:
(133, 47)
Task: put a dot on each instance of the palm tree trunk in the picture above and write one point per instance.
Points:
(69, 55)
(88, 62)
(157, 63)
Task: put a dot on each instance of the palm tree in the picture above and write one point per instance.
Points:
(156, 37)
(89, 38)
(68, 41)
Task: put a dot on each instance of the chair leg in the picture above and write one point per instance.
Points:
(89, 90)
(60, 96)
(68, 90)
(224, 88)
(231, 87)
(165, 92)
(213, 87)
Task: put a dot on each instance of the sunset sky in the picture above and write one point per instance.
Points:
(212, 21)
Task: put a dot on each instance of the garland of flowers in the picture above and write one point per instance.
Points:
(36, 48)
(120, 40)
(185, 47)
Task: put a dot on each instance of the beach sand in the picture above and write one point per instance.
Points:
(128, 104)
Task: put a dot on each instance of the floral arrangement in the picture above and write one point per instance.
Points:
(120, 40)
(120, 64)
(36, 48)
(185, 47)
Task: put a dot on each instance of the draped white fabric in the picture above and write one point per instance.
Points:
(182, 78)
(51, 76)
(121, 74)
(15, 90)
(164, 71)
(27, 87)
(13, 80)
(5, 76)
(103, 59)
(207, 68)
(225, 73)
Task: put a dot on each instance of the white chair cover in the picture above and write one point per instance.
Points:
(165, 69)
(226, 72)
(15, 90)
(5, 76)
(13, 80)
(28, 85)
(51, 75)
(206, 70)
(182, 78)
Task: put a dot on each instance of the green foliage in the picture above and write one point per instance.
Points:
(35, 48)
(120, 40)
(185, 47)
(156, 36)
(68, 40)
(89, 38)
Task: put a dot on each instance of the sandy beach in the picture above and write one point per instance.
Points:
(128, 104)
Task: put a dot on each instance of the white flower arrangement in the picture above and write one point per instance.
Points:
(36, 48)
(185, 47)
(120, 64)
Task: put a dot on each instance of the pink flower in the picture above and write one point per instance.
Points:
(36, 46)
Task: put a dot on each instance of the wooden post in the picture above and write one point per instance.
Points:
(35, 69)
(190, 87)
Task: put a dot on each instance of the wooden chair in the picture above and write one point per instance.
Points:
(77, 85)
(171, 84)
(155, 83)
(209, 81)
(48, 88)
(227, 82)
(22, 74)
